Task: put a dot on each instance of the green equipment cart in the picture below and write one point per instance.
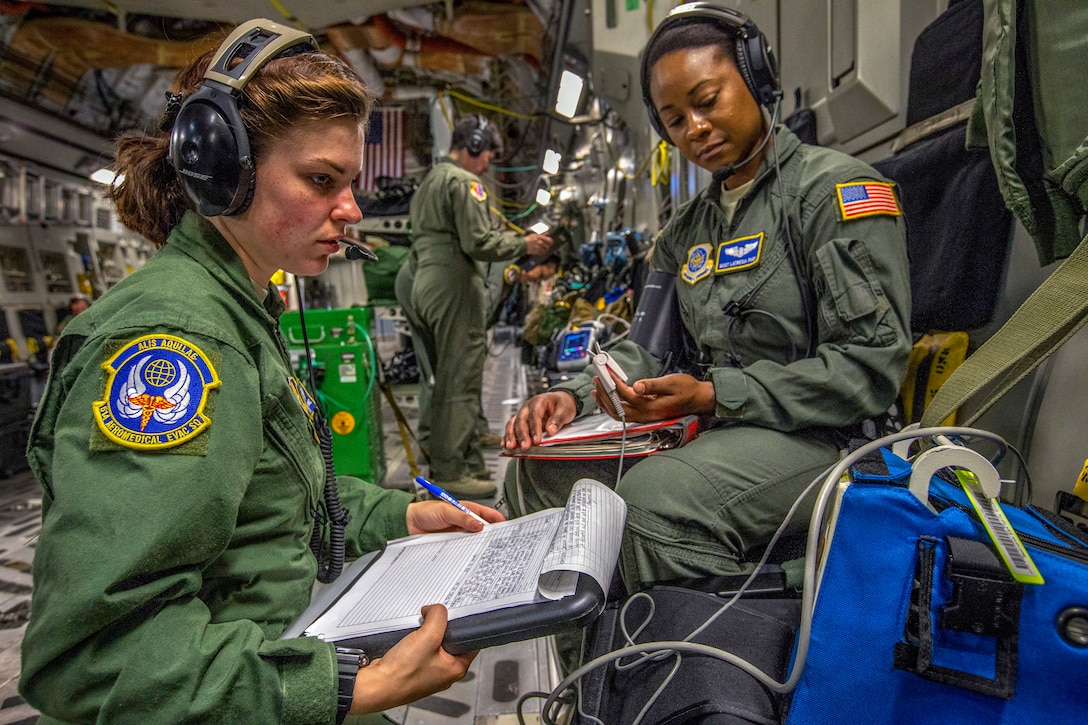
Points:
(346, 372)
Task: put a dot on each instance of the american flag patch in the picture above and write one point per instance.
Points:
(866, 199)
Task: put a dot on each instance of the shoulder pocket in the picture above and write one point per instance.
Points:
(852, 301)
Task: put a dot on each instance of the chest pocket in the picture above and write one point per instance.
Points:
(294, 453)
(766, 285)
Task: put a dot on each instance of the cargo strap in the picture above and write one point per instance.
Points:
(1049, 317)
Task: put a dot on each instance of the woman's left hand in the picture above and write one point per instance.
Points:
(658, 398)
(429, 517)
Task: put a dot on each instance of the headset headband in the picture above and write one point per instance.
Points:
(209, 145)
(265, 40)
(753, 56)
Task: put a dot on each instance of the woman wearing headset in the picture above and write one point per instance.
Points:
(794, 289)
(177, 452)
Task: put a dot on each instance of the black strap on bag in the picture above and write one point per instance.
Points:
(985, 602)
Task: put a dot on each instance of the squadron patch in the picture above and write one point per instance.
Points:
(304, 398)
(477, 190)
(156, 392)
(698, 265)
(866, 198)
(738, 254)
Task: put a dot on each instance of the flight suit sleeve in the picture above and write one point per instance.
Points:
(472, 213)
(859, 271)
(377, 514)
(120, 631)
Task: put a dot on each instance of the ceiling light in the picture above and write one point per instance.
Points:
(551, 162)
(570, 93)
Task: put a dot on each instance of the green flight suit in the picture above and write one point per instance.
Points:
(1031, 112)
(696, 510)
(424, 350)
(451, 232)
(163, 577)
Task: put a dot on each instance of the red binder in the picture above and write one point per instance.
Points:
(599, 437)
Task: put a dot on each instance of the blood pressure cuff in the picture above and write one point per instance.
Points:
(958, 231)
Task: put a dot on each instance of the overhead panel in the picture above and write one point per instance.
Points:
(308, 14)
(864, 65)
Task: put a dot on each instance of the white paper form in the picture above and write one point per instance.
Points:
(588, 539)
(504, 565)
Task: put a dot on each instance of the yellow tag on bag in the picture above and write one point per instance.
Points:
(1080, 488)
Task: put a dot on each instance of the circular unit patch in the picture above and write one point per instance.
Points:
(156, 392)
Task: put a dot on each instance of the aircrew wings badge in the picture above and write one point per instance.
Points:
(477, 190)
(156, 392)
(866, 198)
(738, 254)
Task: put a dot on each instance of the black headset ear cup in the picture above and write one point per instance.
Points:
(480, 138)
(210, 151)
(757, 66)
(209, 147)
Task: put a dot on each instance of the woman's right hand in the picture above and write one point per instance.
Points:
(413, 669)
(540, 415)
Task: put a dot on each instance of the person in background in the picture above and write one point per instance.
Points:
(452, 231)
(511, 299)
(179, 455)
(792, 279)
(76, 305)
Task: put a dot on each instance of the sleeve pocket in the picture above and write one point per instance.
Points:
(852, 301)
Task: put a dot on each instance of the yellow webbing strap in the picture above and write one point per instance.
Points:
(403, 428)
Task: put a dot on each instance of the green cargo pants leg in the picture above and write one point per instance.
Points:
(693, 512)
(453, 317)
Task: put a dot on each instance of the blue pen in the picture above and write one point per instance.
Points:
(442, 494)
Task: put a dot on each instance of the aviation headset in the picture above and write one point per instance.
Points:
(754, 58)
(208, 144)
(479, 139)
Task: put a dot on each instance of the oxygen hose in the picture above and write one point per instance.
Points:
(335, 515)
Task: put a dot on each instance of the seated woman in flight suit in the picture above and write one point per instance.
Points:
(792, 281)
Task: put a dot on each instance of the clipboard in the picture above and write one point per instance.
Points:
(476, 631)
(528, 577)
